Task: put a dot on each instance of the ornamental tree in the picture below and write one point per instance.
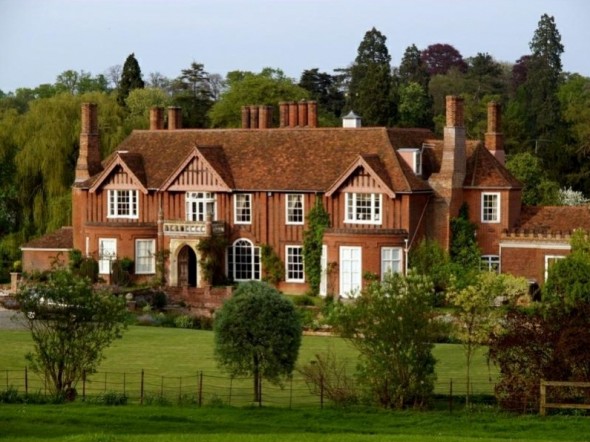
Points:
(71, 325)
(390, 325)
(258, 333)
(476, 314)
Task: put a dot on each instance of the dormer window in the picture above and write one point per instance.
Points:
(122, 204)
(413, 158)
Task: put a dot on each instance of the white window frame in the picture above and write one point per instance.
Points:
(490, 263)
(294, 266)
(351, 208)
(105, 259)
(199, 205)
(549, 260)
(391, 263)
(418, 162)
(243, 206)
(486, 209)
(292, 211)
(254, 260)
(149, 268)
(115, 203)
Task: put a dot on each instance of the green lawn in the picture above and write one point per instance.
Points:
(90, 423)
(180, 355)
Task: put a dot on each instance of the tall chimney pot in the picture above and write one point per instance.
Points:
(88, 163)
(174, 118)
(245, 117)
(156, 118)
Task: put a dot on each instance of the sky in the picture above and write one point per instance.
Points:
(39, 39)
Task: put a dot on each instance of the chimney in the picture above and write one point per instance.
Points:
(494, 139)
(174, 118)
(88, 163)
(156, 118)
(302, 113)
(448, 182)
(245, 117)
(312, 113)
(293, 114)
(283, 114)
(254, 117)
(264, 117)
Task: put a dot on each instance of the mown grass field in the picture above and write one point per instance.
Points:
(175, 353)
(88, 423)
(180, 352)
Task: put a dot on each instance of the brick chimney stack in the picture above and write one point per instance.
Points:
(156, 118)
(264, 117)
(448, 182)
(283, 114)
(302, 113)
(245, 117)
(312, 114)
(494, 139)
(293, 114)
(254, 117)
(174, 118)
(88, 163)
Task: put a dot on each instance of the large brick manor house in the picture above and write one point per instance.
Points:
(385, 189)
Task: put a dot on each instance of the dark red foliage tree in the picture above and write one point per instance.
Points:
(440, 58)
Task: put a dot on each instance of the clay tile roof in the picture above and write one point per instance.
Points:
(62, 238)
(299, 159)
(216, 158)
(374, 162)
(483, 170)
(135, 163)
(552, 219)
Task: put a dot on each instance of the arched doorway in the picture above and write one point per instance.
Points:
(187, 267)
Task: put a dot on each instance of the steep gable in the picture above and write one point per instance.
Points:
(365, 174)
(204, 168)
(124, 171)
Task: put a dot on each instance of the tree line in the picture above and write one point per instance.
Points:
(546, 120)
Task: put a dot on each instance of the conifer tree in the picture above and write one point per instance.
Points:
(371, 81)
(130, 79)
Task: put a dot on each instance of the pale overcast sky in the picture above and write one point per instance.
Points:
(39, 39)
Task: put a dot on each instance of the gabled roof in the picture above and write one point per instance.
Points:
(213, 157)
(286, 159)
(373, 166)
(60, 239)
(482, 169)
(130, 162)
(553, 219)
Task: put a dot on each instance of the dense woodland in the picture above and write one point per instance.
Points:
(546, 117)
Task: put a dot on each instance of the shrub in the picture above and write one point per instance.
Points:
(111, 398)
(184, 321)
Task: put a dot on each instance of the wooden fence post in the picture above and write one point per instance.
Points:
(201, 388)
(141, 387)
(26, 381)
(543, 399)
(451, 396)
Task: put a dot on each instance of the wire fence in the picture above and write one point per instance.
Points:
(206, 389)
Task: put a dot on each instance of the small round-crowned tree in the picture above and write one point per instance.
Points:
(258, 333)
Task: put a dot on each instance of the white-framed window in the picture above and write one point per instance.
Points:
(243, 261)
(294, 264)
(363, 208)
(294, 208)
(417, 162)
(107, 253)
(549, 261)
(391, 260)
(243, 208)
(199, 205)
(490, 263)
(145, 256)
(490, 207)
(123, 203)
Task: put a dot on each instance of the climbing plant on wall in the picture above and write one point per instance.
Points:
(318, 220)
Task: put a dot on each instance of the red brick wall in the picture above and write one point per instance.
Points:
(527, 262)
(40, 260)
